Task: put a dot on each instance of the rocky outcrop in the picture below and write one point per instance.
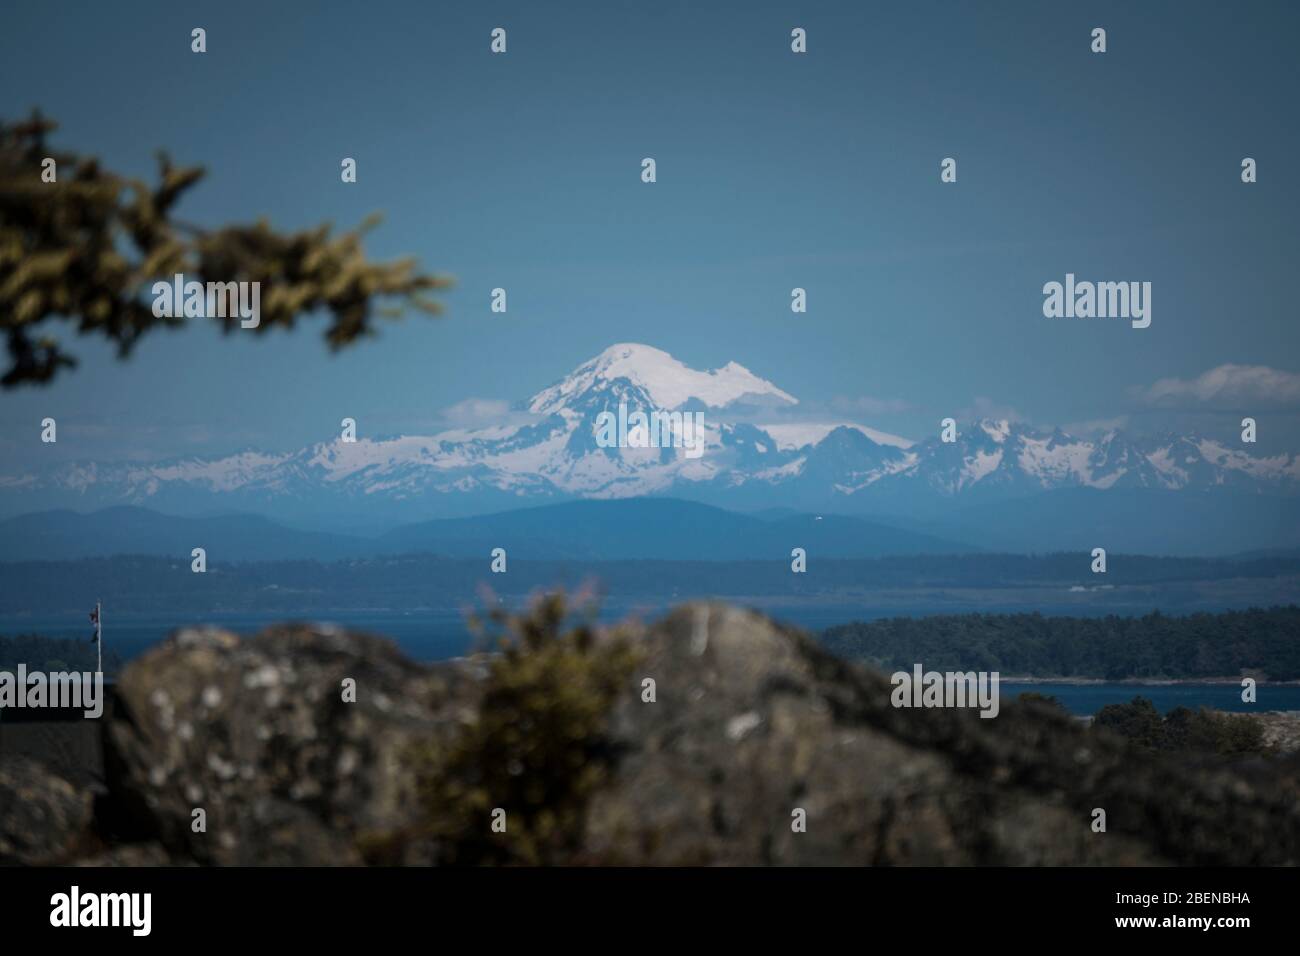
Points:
(1281, 729)
(43, 818)
(257, 735)
(754, 722)
(751, 730)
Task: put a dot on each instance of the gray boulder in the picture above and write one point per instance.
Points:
(256, 733)
(43, 818)
(754, 722)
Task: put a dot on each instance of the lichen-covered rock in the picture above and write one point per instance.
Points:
(43, 818)
(1281, 729)
(755, 726)
(130, 854)
(257, 734)
(753, 723)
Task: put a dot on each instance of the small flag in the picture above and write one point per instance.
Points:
(94, 619)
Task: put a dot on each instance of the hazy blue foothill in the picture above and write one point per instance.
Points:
(661, 529)
(647, 529)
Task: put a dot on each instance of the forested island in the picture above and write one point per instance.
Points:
(39, 652)
(1263, 643)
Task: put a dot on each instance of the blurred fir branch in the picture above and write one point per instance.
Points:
(87, 247)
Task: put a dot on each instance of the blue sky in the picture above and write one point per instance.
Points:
(774, 171)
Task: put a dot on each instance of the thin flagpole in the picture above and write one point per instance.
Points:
(99, 635)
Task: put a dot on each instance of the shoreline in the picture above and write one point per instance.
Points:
(1147, 681)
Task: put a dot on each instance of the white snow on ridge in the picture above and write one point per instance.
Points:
(979, 466)
(223, 474)
(1279, 466)
(1106, 481)
(1162, 461)
(792, 436)
(788, 470)
(341, 460)
(999, 431)
(1053, 465)
(489, 433)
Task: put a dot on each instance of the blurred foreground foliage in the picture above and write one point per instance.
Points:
(86, 248)
(538, 748)
(1183, 729)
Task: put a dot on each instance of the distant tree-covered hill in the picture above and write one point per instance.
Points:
(1264, 642)
(53, 654)
(661, 529)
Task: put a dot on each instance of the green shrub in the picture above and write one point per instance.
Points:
(1182, 729)
(1040, 700)
(538, 749)
(1137, 720)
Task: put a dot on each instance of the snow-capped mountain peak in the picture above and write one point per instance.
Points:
(661, 380)
(553, 453)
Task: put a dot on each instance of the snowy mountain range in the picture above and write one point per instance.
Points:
(759, 454)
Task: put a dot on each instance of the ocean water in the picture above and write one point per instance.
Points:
(426, 635)
(440, 635)
(430, 636)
